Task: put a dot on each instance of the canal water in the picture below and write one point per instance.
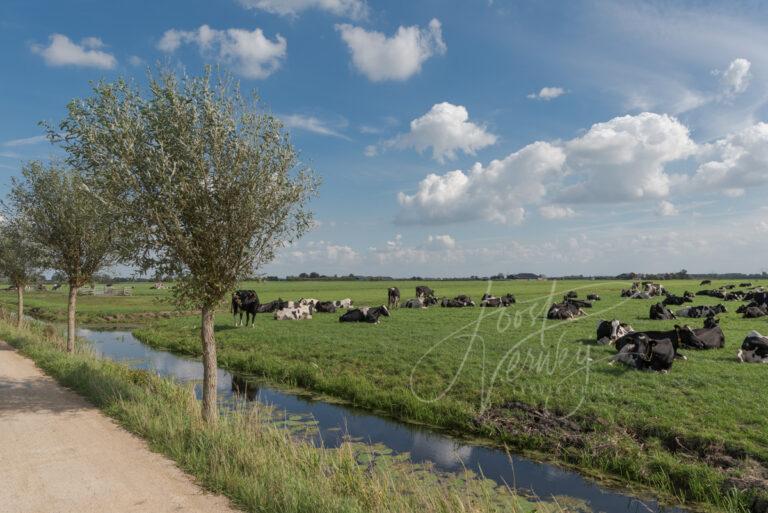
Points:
(336, 423)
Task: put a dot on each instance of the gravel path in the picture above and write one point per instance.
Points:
(60, 454)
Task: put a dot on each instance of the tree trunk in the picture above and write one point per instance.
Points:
(210, 407)
(71, 319)
(20, 311)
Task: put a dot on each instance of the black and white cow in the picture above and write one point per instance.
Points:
(680, 336)
(672, 299)
(491, 301)
(294, 313)
(701, 311)
(273, 306)
(393, 297)
(609, 332)
(508, 299)
(571, 294)
(562, 311)
(754, 349)
(414, 303)
(365, 314)
(593, 297)
(244, 302)
(711, 335)
(752, 312)
(711, 321)
(705, 282)
(579, 303)
(459, 301)
(745, 284)
(659, 312)
(423, 292)
(643, 352)
(325, 307)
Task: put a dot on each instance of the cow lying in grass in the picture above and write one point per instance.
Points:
(701, 311)
(343, 303)
(672, 299)
(659, 312)
(754, 349)
(680, 336)
(459, 301)
(578, 303)
(273, 306)
(711, 336)
(493, 301)
(562, 311)
(752, 312)
(296, 313)
(645, 353)
(325, 307)
(609, 332)
(414, 303)
(593, 297)
(365, 314)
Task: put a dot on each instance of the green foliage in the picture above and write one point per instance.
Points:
(20, 259)
(73, 231)
(208, 187)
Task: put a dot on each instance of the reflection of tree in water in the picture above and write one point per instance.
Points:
(245, 388)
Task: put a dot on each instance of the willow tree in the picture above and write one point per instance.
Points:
(208, 185)
(74, 232)
(20, 260)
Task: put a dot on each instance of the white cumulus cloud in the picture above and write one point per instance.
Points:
(735, 162)
(624, 159)
(735, 79)
(398, 57)
(250, 53)
(62, 51)
(547, 93)
(355, 9)
(446, 129)
(497, 192)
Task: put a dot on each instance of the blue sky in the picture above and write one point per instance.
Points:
(458, 137)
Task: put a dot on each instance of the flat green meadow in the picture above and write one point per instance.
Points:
(697, 434)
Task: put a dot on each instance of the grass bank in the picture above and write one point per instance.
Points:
(260, 467)
(696, 435)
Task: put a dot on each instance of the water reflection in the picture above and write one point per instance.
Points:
(336, 424)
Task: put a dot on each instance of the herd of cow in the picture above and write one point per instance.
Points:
(246, 302)
(653, 350)
(656, 350)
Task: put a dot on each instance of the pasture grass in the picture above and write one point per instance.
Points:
(698, 434)
(260, 467)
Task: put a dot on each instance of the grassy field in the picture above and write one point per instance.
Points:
(699, 433)
(260, 467)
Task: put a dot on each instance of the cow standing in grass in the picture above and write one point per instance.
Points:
(245, 301)
(393, 297)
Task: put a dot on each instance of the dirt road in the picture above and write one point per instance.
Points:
(60, 454)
